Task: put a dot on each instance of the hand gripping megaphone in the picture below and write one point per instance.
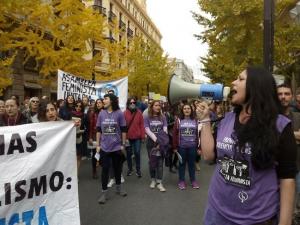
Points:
(179, 89)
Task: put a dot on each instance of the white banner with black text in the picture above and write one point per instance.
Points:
(69, 84)
(38, 182)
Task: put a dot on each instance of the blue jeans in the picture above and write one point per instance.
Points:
(135, 147)
(298, 183)
(188, 157)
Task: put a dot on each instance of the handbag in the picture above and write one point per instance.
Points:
(129, 124)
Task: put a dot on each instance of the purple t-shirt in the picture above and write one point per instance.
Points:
(155, 124)
(110, 124)
(188, 133)
(238, 191)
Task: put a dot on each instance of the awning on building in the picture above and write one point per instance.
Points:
(32, 85)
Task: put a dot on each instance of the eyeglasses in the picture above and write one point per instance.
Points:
(131, 103)
(35, 101)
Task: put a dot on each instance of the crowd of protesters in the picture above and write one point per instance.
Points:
(253, 141)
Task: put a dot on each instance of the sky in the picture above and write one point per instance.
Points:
(174, 20)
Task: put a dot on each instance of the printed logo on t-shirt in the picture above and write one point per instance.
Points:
(155, 126)
(188, 131)
(109, 130)
(235, 172)
(243, 196)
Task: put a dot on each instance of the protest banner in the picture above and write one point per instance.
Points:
(68, 84)
(38, 182)
(156, 96)
(151, 95)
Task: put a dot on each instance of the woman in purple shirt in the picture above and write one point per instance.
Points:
(110, 138)
(254, 180)
(155, 122)
(185, 142)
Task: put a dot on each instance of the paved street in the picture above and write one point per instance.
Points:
(143, 206)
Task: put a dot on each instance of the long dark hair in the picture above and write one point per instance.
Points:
(181, 114)
(42, 110)
(114, 101)
(260, 131)
(67, 104)
(96, 110)
(129, 100)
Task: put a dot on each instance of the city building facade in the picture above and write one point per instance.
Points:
(183, 71)
(131, 18)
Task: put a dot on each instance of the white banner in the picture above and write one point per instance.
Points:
(68, 84)
(38, 182)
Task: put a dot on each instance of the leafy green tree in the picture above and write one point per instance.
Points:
(287, 41)
(234, 33)
(150, 70)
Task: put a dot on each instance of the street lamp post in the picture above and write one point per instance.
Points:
(295, 15)
(93, 55)
(269, 34)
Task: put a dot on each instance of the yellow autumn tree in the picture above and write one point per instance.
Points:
(58, 34)
(5, 73)
(149, 70)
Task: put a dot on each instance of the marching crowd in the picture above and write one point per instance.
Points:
(253, 141)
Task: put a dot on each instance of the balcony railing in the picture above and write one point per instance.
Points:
(111, 16)
(122, 26)
(100, 9)
(129, 32)
(111, 39)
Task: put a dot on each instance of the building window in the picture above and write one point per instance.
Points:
(4, 54)
(98, 2)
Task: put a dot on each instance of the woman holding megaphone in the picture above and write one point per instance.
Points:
(254, 180)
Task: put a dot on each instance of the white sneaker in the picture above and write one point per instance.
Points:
(111, 183)
(153, 184)
(161, 187)
(122, 179)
